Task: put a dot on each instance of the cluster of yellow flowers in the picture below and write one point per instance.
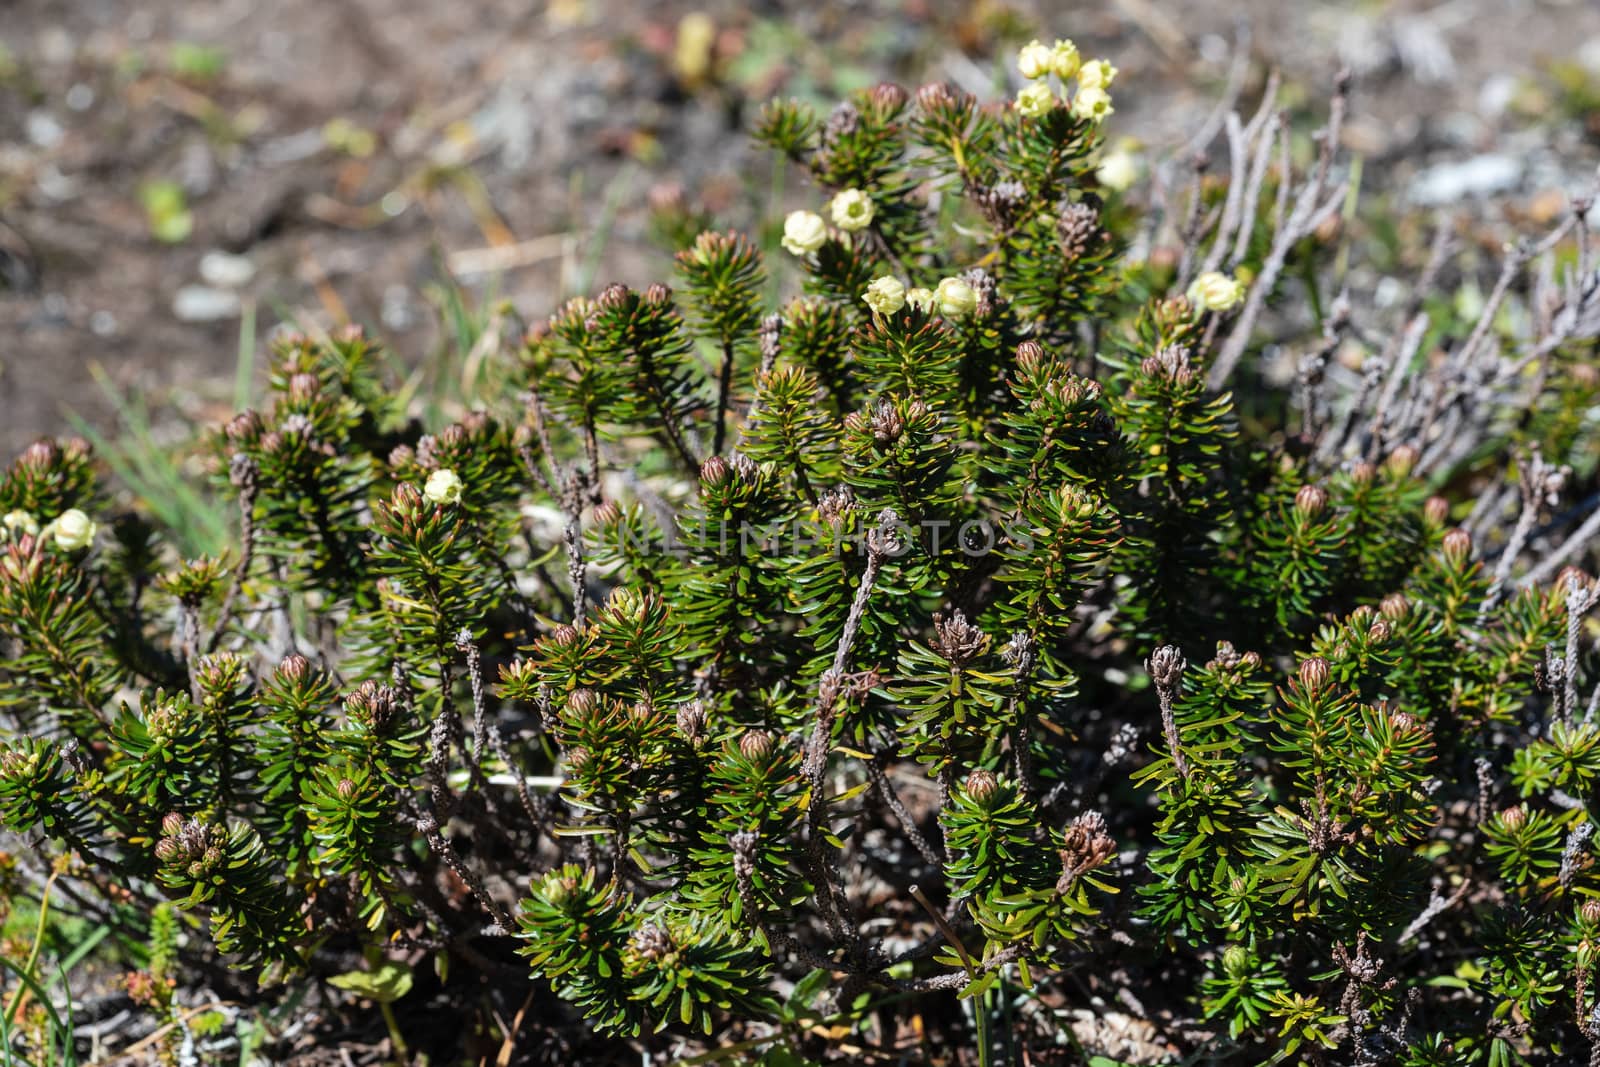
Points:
(805, 231)
(1038, 61)
(70, 530)
(953, 298)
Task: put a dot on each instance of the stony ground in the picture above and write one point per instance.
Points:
(176, 176)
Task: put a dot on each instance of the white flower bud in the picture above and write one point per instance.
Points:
(1035, 100)
(1118, 170)
(886, 295)
(1064, 59)
(851, 210)
(72, 530)
(1092, 103)
(1035, 60)
(1214, 291)
(804, 232)
(20, 523)
(922, 299)
(1096, 74)
(956, 298)
(443, 487)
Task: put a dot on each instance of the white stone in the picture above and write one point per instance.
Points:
(199, 303)
(1480, 176)
(226, 271)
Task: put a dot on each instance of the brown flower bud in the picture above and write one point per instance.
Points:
(1171, 362)
(582, 703)
(244, 427)
(1227, 657)
(1086, 844)
(937, 97)
(658, 295)
(219, 672)
(981, 786)
(1395, 607)
(303, 387)
(612, 296)
(1029, 355)
(1314, 674)
(1403, 722)
(606, 514)
(1363, 473)
(40, 456)
(666, 197)
(1590, 911)
(294, 668)
(18, 765)
(373, 705)
(1378, 633)
(1251, 660)
(692, 721)
(1436, 512)
(652, 942)
(1398, 464)
(714, 471)
(406, 501)
(886, 423)
(1078, 230)
(558, 888)
(1311, 501)
(1457, 545)
(1166, 666)
(756, 744)
(628, 605)
(957, 640)
(346, 789)
(834, 506)
(887, 98)
(1514, 818)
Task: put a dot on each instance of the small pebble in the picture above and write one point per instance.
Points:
(199, 303)
(396, 314)
(44, 130)
(1480, 176)
(226, 271)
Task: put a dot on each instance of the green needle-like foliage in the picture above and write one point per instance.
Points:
(770, 661)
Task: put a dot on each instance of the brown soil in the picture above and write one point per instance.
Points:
(509, 125)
